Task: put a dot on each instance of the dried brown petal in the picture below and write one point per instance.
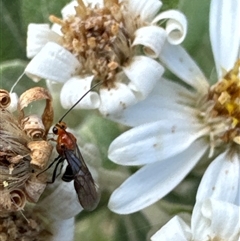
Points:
(24, 226)
(34, 188)
(40, 153)
(5, 99)
(33, 126)
(34, 94)
(13, 140)
(12, 201)
(18, 199)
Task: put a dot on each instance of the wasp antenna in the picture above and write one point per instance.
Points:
(80, 100)
(19, 78)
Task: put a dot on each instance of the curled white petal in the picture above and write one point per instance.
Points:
(37, 36)
(116, 99)
(53, 62)
(74, 89)
(14, 102)
(224, 33)
(182, 65)
(175, 230)
(62, 230)
(176, 26)
(143, 73)
(143, 190)
(152, 38)
(145, 9)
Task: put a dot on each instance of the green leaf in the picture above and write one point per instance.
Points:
(12, 36)
(132, 227)
(10, 71)
(173, 4)
(101, 132)
(197, 40)
(35, 11)
(103, 225)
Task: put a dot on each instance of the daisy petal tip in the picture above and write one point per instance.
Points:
(37, 36)
(176, 26)
(74, 89)
(152, 38)
(53, 62)
(115, 100)
(143, 72)
(14, 102)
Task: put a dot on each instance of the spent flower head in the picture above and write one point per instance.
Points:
(111, 42)
(177, 125)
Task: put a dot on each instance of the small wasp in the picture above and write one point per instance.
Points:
(76, 169)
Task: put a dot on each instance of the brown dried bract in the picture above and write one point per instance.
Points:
(40, 153)
(21, 156)
(34, 94)
(4, 99)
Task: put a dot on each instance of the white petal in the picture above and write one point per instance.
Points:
(214, 218)
(57, 29)
(175, 230)
(182, 65)
(37, 36)
(221, 179)
(53, 62)
(155, 141)
(224, 33)
(74, 89)
(145, 9)
(61, 201)
(155, 180)
(176, 26)
(62, 230)
(69, 9)
(14, 102)
(162, 103)
(152, 38)
(143, 72)
(116, 99)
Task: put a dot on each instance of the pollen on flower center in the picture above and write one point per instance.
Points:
(99, 38)
(225, 96)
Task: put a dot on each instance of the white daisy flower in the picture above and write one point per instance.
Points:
(211, 220)
(177, 125)
(103, 41)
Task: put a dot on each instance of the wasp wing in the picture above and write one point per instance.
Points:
(84, 184)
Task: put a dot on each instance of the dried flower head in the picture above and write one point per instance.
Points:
(19, 161)
(112, 42)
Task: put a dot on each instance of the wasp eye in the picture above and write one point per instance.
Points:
(55, 130)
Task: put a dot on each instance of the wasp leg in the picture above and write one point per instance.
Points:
(55, 175)
(55, 160)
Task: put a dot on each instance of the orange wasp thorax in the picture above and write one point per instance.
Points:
(65, 140)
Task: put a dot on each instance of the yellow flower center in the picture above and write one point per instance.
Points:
(99, 37)
(225, 95)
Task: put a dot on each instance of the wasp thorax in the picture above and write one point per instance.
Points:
(224, 97)
(99, 37)
(33, 126)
